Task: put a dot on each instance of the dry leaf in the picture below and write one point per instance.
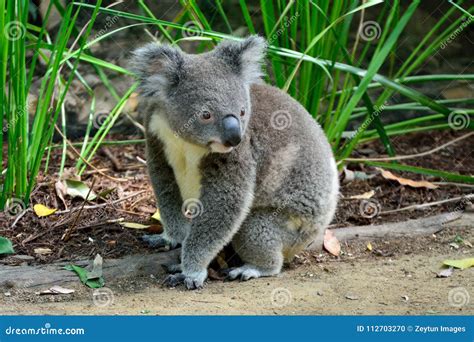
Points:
(155, 229)
(365, 195)
(448, 272)
(461, 264)
(132, 103)
(96, 268)
(133, 225)
(214, 275)
(331, 244)
(42, 210)
(404, 181)
(56, 290)
(157, 215)
(369, 247)
(42, 251)
(75, 188)
(61, 191)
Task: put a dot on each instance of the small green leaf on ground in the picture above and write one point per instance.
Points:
(458, 239)
(84, 275)
(75, 188)
(105, 193)
(134, 225)
(6, 246)
(461, 264)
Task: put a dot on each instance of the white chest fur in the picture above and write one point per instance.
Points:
(182, 156)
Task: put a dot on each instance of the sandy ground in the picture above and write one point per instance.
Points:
(397, 277)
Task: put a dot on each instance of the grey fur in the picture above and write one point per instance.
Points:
(270, 195)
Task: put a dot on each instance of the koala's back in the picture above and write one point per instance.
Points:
(297, 173)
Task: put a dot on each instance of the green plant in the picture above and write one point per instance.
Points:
(310, 54)
(26, 146)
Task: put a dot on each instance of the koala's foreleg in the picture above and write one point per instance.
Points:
(168, 196)
(226, 196)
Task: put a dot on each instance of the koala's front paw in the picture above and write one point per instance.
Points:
(191, 281)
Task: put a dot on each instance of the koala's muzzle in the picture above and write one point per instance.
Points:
(231, 135)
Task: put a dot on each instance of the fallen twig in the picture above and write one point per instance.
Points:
(410, 156)
(68, 232)
(101, 205)
(426, 205)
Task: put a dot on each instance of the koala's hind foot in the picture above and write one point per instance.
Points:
(248, 271)
(259, 244)
(159, 241)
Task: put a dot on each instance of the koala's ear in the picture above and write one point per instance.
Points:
(158, 67)
(245, 57)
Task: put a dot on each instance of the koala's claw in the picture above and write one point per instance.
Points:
(174, 280)
(245, 273)
(172, 268)
(191, 283)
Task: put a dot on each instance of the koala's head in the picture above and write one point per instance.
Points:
(204, 98)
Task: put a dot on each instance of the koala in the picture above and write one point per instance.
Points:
(231, 160)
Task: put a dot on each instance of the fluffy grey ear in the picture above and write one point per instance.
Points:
(158, 67)
(245, 57)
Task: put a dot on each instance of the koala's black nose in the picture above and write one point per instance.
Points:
(231, 135)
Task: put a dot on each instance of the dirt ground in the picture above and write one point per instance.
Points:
(397, 277)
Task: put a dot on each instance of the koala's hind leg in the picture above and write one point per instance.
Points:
(259, 244)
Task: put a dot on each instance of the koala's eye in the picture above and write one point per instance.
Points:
(206, 115)
(242, 111)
